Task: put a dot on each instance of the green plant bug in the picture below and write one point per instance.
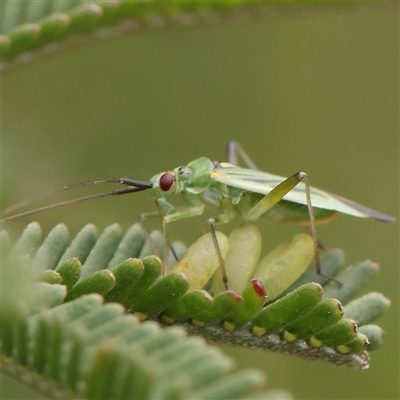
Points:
(228, 190)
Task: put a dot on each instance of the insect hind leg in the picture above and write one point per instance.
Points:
(275, 195)
(234, 149)
(313, 232)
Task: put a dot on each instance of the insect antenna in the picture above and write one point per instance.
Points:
(132, 186)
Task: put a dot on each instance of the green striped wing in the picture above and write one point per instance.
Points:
(263, 182)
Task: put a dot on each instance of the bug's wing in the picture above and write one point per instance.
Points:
(263, 182)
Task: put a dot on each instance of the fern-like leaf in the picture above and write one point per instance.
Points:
(122, 269)
(28, 26)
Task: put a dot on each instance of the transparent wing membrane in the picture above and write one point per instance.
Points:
(264, 182)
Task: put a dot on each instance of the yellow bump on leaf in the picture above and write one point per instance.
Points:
(167, 320)
(241, 259)
(140, 316)
(201, 261)
(289, 336)
(315, 342)
(258, 331)
(280, 268)
(342, 349)
(229, 326)
(197, 323)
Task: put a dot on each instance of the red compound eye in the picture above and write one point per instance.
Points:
(166, 181)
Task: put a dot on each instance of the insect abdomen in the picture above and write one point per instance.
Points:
(289, 212)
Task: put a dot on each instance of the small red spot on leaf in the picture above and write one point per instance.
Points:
(258, 288)
(235, 296)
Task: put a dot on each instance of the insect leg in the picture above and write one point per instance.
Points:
(142, 218)
(175, 214)
(275, 195)
(314, 233)
(234, 149)
(211, 221)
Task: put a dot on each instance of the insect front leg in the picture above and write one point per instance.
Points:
(175, 214)
(142, 219)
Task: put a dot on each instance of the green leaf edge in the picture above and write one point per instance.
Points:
(29, 26)
(95, 350)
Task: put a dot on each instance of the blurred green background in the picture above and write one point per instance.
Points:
(316, 90)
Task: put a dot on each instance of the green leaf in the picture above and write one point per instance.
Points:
(225, 305)
(97, 351)
(163, 293)
(44, 295)
(358, 345)
(253, 297)
(28, 242)
(367, 308)
(289, 308)
(317, 320)
(51, 249)
(228, 318)
(190, 305)
(28, 26)
(49, 276)
(354, 278)
(234, 386)
(81, 245)
(130, 245)
(103, 251)
(100, 282)
(152, 270)
(374, 334)
(70, 271)
(343, 332)
(126, 275)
